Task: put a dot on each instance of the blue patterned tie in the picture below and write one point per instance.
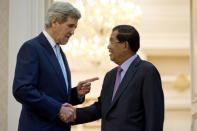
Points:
(61, 62)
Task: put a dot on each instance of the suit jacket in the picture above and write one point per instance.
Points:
(40, 87)
(138, 104)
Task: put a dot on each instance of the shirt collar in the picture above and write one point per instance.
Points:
(128, 62)
(49, 38)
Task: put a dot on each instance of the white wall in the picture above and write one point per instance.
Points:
(25, 21)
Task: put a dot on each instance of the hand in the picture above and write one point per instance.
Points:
(67, 113)
(83, 87)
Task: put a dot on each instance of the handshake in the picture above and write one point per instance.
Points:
(67, 113)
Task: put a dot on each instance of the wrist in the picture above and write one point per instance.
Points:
(81, 98)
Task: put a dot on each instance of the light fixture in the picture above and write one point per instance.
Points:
(98, 18)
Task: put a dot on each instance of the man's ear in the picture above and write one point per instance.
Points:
(126, 43)
(54, 20)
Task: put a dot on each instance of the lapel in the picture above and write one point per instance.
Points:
(108, 90)
(52, 58)
(126, 80)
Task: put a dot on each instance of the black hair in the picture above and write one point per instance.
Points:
(130, 34)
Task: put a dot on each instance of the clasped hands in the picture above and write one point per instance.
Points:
(68, 112)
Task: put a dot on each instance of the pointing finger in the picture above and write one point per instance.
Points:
(91, 79)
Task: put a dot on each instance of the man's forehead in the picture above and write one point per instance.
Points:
(113, 35)
(72, 19)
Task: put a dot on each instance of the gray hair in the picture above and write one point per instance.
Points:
(61, 11)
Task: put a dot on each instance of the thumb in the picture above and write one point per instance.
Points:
(67, 104)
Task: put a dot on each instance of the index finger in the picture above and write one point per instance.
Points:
(91, 79)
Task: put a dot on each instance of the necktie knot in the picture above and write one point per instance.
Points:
(57, 50)
(119, 70)
(57, 47)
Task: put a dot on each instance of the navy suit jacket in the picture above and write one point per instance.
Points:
(138, 104)
(40, 87)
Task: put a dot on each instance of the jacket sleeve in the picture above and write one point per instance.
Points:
(89, 113)
(92, 112)
(74, 99)
(153, 100)
(25, 84)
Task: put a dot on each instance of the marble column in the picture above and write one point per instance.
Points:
(4, 13)
(194, 62)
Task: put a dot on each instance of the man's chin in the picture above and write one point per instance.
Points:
(111, 58)
(64, 43)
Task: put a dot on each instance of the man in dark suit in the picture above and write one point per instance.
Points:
(42, 82)
(131, 98)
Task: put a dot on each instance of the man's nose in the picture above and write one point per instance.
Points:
(72, 32)
(108, 46)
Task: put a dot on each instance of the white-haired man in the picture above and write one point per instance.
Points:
(42, 82)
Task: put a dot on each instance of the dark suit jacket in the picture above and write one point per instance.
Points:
(40, 87)
(137, 106)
